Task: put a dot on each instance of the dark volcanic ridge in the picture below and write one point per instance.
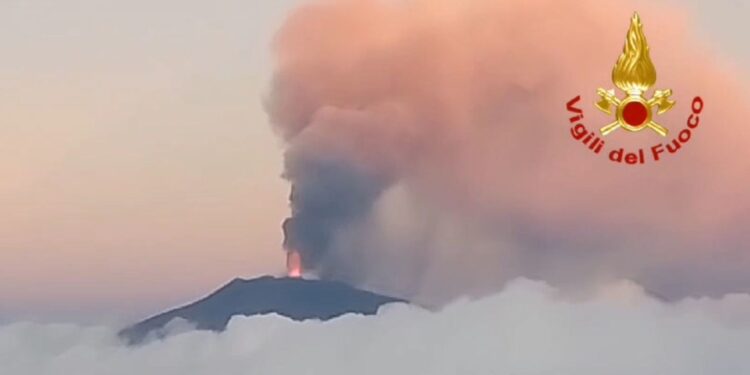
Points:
(297, 299)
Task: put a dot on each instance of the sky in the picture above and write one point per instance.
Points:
(134, 151)
(137, 166)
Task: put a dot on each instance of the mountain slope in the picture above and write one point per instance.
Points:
(297, 299)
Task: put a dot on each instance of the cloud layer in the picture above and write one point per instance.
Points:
(529, 328)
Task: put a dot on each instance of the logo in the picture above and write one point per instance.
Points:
(635, 74)
(633, 110)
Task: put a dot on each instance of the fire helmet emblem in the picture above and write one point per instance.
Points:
(634, 73)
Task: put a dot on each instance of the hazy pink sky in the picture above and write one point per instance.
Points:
(136, 165)
(137, 168)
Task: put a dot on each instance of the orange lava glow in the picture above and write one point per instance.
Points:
(294, 264)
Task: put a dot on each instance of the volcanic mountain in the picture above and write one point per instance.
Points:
(295, 298)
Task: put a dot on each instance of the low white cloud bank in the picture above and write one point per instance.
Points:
(529, 328)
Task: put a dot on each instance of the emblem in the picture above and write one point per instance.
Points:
(634, 74)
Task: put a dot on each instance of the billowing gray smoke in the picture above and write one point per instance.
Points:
(430, 154)
(327, 195)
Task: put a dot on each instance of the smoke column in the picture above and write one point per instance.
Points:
(430, 155)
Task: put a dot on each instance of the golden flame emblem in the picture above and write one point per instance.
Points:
(634, 74)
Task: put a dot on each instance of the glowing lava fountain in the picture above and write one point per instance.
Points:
(294, 264)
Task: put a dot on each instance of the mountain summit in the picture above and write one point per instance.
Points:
(295, 298)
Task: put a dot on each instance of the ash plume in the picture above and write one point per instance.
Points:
(430, 157)
(328, 195)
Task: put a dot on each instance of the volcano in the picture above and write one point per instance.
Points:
(295, 298)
